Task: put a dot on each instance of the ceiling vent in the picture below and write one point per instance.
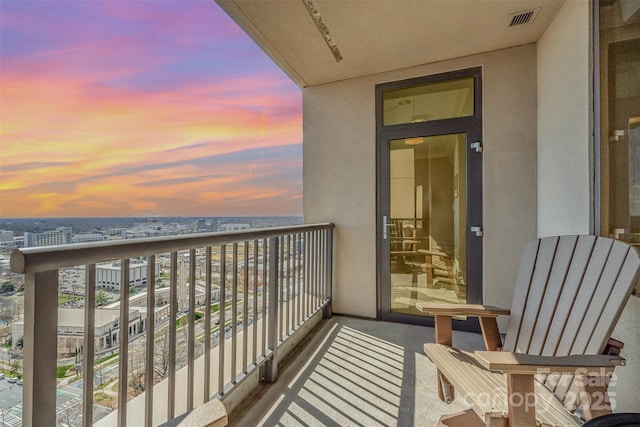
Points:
(524, 17)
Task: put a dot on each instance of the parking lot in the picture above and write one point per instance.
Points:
(10, 393)
(10, 402)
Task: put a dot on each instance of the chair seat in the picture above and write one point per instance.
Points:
(486, 392)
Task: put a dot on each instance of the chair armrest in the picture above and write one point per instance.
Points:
(472, 310)
(527, 364)
(613, 347)
(429, 252)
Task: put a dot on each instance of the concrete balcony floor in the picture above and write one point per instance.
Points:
(355, 372)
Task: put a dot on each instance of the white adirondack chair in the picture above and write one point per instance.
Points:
(557, 355)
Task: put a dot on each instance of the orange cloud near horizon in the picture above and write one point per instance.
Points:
(80, 145)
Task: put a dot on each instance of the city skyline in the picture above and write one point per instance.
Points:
(132, 108)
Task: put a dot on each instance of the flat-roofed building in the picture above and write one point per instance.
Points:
(108, 275)
(71, 328)
(59, 236)
(88, 237)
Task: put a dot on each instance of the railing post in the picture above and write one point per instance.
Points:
(271, 366)
(328, 310)
(40, 348)
(88, 359)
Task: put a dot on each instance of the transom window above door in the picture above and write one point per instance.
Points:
(428, 102)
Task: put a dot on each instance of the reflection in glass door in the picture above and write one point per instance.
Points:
(427, 223)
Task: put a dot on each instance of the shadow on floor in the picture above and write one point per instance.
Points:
(355, 372)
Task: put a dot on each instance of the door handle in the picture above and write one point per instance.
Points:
(385, 226)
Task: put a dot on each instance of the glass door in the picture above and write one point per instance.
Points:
(427, 221)
(429, 197)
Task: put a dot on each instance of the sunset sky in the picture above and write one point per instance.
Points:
(127, 108)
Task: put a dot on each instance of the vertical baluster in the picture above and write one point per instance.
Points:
(313, 261)
(245, 306)
(311, 273)
(254, 311)
(328, 310)
(271, 366)
(318, 269)
(280, 267)
(173, 314)
(234, 312)
(40, 344)
(299, 276)
(222, 315)
(207, 325)
(322, 265)
(305, 276)
(309, 276)
(301, 240)
(89, 344)
(318, 258)
(264, 295)
(191, 337)
(296, 290)
(288, 272)
(124, 342)
(150, 334)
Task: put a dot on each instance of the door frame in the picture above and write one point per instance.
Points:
(472, 126)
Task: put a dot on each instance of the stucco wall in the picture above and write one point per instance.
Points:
(564, 166)
(340, 171)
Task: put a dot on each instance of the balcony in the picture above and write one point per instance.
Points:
(258, 295)
(354, 371)
(274, 285)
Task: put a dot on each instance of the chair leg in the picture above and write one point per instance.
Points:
(446, 391)
(594, 396)
(521, 400)
(444, 336)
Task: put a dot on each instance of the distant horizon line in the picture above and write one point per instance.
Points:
(156, 216)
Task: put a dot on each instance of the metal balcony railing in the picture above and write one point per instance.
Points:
(269, 282)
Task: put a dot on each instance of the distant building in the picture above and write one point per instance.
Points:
(89, 237)
(116, 231)
(162, 307)
(11, 244)
(108, 275)
(60, 236)
(205, 226)
(234, 227)
(71, 328)
(6, 236)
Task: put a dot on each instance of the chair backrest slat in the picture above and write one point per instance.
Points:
(537, 291)
(564, 253)
(569, 294)
(612, 301)
(521, 293)
(584, 297)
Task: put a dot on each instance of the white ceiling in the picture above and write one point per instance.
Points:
(381, 35)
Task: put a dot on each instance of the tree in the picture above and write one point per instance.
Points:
(70, 416)
(100, 376)
(7, 287)
(133, 290)
(161, 354)
(9, 310)
(14, 367)
(101, 298)
(136, 370)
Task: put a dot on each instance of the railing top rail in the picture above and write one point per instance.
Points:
(34, 260)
